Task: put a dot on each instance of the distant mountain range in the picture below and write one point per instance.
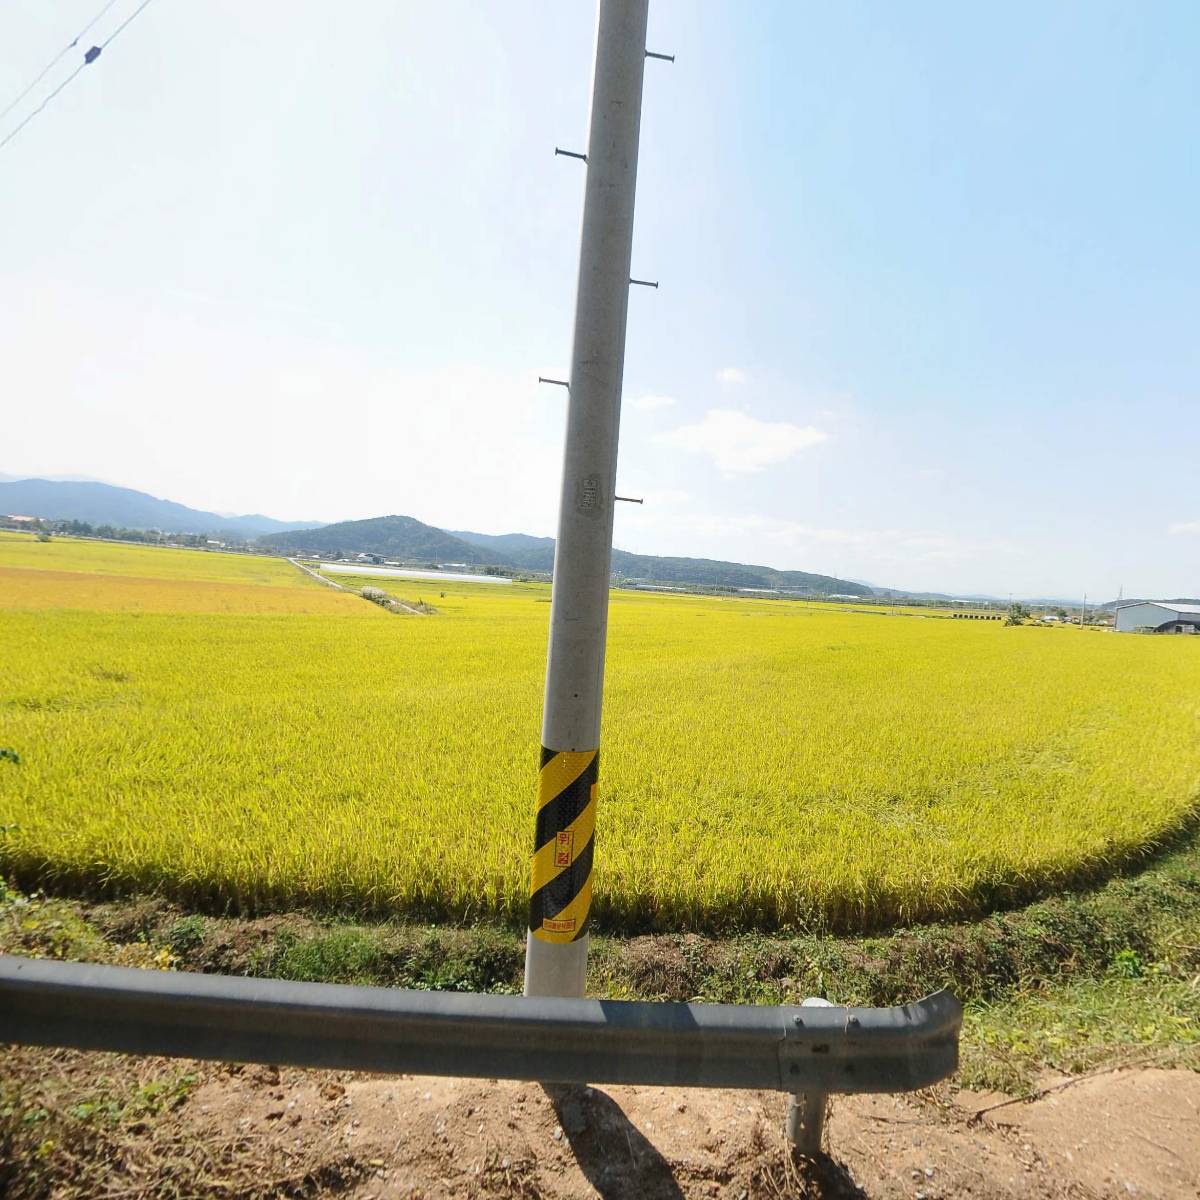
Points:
(515, 544)
(104, 504)
(537, 554)
(400, 537)
(929, 597)
(406, 538)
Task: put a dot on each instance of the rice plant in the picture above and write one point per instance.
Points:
(763, 763)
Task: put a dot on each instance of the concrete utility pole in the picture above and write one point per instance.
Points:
(561, 886)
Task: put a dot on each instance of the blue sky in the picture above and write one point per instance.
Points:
(930, 276)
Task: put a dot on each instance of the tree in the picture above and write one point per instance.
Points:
(1018, 614)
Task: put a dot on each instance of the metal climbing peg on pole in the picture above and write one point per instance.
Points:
(561, 876)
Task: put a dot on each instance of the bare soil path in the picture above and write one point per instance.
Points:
(254, 1131)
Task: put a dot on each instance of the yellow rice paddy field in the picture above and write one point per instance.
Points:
(230, 732)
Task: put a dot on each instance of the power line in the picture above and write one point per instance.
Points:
(57, 59)
(89, 58)
(43, 104)
(128, 20)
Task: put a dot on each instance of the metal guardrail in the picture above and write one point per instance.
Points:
(786, 1048)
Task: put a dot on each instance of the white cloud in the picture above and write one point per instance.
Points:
(796, 534)
(885, 554)
(734, 375)
(666, 497)
(463, 445)
(1187, 528)
(649, 403)
(739, 444)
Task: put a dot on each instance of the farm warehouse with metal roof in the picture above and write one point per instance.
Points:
(1159, 616)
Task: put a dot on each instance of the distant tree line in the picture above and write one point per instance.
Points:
(45, 529)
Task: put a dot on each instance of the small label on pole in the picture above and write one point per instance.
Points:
(563, 848)
(587, 496)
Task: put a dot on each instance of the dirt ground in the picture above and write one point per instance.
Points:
(259, 1131)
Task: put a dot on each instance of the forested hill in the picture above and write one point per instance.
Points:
(407, 539)
(401, 538)
(537, 554)
(715, 573)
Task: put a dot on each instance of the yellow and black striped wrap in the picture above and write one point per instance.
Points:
(561, 889)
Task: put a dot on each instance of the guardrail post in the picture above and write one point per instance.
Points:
(561, 884)
(806, 1110)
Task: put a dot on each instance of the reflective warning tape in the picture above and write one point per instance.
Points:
(561, 887)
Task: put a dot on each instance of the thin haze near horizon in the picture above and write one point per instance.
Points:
(929, 276)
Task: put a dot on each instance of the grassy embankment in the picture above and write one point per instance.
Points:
(1073, 982)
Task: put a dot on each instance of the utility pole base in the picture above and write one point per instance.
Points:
(552, 969)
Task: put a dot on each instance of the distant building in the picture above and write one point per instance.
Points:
(1158, 616)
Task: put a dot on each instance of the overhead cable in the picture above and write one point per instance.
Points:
(57, 59)
(90, 57)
